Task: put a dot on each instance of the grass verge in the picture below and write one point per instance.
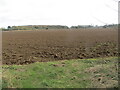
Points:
(81, 73)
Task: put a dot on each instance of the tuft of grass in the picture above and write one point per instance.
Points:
(85, 73)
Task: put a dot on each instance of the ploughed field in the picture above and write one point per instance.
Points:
(25, 47)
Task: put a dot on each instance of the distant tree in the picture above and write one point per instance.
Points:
(36, 27)
(9, 27)
(105, 26)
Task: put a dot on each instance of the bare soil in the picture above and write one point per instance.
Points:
(25, 47)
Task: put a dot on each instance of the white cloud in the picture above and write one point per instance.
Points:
(57, 12)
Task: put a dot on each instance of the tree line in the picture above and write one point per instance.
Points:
(46, 27)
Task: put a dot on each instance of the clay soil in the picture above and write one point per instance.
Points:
(25, 47)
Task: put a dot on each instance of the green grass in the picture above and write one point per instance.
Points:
(84, 73)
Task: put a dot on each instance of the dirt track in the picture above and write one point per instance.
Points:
(24, 47)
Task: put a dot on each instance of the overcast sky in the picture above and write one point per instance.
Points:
(58, 12)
